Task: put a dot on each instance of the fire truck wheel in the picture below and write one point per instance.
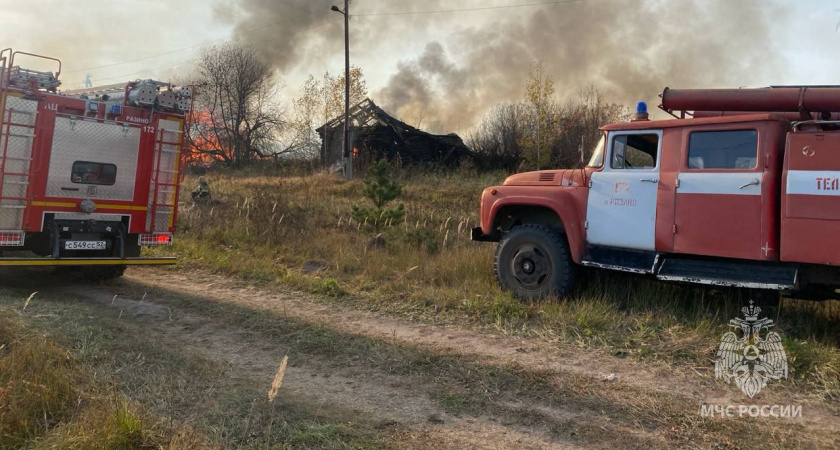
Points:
(534, 262)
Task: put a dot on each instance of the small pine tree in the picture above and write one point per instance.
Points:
(380, 189)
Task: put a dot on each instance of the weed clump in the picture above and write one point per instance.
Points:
(331, 288)
(45, 398)
(36, 378)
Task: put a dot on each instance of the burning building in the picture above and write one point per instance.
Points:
(375, 134)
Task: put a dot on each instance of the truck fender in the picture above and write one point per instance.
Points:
(561, 204)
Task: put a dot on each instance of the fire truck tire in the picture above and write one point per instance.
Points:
(534, 262)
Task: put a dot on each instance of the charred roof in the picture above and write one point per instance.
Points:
(377, 134)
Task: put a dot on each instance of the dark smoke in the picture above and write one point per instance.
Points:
(629, 50)
(287, 32)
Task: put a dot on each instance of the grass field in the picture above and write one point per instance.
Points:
(49, 400)
(76, 375)
(168, 365)
(297, 231)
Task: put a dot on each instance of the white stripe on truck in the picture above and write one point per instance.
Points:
(735, 183)
(813, 182)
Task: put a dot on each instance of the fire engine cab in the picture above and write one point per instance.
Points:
(741, 189)
(88, 176)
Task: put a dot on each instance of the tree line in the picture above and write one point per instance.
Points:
(239, 117)
(539, 131)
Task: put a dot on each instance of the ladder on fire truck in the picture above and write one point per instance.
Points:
(17, 132)
(165, 186)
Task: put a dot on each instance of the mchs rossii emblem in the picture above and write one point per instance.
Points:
(751, 354)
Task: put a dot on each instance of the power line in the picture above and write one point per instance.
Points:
(480, 8)
(133, 74)
(144, 58)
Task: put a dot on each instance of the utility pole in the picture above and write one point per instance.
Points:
(348, 156)
(539, 117)
(347, 150)
(327, 118)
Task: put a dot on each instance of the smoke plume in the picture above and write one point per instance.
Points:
(629, 50)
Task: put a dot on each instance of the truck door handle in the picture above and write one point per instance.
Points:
(754, 182)
(649, 180)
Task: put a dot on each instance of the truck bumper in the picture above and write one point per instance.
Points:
(479, 236)
(31, 262)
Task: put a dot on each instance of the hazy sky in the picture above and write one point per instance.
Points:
(448, 67)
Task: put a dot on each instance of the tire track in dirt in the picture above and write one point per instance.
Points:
(377, 397)
(502, 350)
(532, 354)
(206, 335)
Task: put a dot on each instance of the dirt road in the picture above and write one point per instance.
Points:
(423, 385)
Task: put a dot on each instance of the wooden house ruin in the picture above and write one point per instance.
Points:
(375, 134)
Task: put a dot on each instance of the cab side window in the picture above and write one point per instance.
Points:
(723, 149)
(634, 151)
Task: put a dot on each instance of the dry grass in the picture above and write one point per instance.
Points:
(278, 379)
(134, 388)
(173, 380)
(266, 228)
(29, 299)
(36, 379)
(479, 387)
(46, 400)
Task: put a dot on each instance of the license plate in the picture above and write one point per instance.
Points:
(85, 245)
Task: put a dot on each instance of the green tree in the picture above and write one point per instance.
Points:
(380, 189)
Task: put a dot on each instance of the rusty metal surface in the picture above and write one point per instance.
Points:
(791, 116)
(787, 99)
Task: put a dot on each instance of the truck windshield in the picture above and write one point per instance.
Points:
(598, 154)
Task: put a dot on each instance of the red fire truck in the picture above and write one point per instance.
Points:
(87, 177)
(741, 188)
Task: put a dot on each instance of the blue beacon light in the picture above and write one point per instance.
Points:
(641, 108)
